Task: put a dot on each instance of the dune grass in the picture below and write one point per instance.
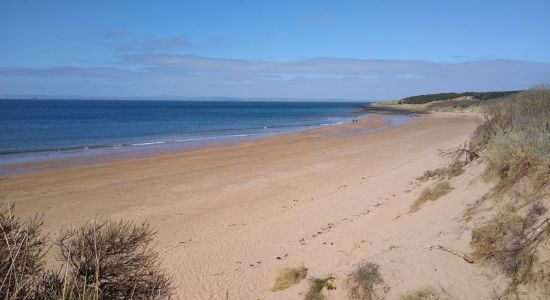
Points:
(316, 286)
(426, 293)
(448, 172)
(515, 138)
(431, 194)
(363, 281)
(288, 277)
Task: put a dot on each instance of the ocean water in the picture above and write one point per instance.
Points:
(42, 129)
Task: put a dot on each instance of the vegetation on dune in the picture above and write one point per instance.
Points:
(514, 140)
(316, 287)
(22, 250)
(510, 241)
(102, 259)
(453, 170)
(433, 193)
(515, 135)
(288, 277)
(422, 99)
(427, 293)
(362, 283)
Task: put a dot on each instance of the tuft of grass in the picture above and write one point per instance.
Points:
(453, 170)
(431, 194)
(363, 281)
(429, 174)
(427, 293)
(288, 277)
(316, 286)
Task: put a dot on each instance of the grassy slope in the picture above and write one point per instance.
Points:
(513, 142)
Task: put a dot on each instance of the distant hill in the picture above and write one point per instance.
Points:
(421, 99)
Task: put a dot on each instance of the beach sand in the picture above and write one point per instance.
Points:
(229, 217)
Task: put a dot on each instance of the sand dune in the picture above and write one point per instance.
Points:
(229, 217)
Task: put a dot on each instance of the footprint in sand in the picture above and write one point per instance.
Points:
(281, 257)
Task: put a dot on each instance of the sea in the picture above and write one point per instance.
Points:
(38, 130)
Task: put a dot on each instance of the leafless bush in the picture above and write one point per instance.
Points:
(114, 259)
(103, 259)
(363, 281)
(22, 249)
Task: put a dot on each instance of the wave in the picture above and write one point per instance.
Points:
(83, 148)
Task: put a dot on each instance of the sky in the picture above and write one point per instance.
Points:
(353, 50)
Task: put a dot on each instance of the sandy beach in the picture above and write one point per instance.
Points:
(229, 217)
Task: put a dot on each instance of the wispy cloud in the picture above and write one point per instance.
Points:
(155, 74)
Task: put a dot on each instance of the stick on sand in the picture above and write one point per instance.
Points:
(459, 254)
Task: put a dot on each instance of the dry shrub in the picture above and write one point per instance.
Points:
(22, 249)
(427, 293)
(101, 260)
(504, 241)
(316, 287)
(490, 241)
(540, 277)
(431, 194)
(363, 281)
(288, 277)
(114, 260)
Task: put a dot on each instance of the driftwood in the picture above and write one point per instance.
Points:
(459, 254)
(534, 234)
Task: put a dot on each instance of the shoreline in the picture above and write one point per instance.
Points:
(44, 161)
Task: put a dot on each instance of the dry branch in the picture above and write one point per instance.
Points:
(534, 234)
(459, 254)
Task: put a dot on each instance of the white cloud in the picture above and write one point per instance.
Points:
(156, 74)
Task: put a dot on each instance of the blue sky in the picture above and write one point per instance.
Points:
(291, 49)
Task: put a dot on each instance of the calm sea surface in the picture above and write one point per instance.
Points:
(37, 129)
